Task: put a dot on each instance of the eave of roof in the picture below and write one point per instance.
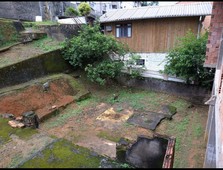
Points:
(180, 10)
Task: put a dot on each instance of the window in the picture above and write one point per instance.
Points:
(124, 30)
(108, 28)
(114, 6)
(140, 62)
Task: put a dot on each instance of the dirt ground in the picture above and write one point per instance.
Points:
(80, 123)
(36, 98)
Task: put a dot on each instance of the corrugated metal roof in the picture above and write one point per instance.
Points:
(179, 10)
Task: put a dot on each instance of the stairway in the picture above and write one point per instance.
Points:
(30, 34)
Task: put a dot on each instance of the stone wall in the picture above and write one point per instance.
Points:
(28, 10)
(48, 63)
(60, 32)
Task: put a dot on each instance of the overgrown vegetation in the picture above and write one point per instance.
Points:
(6, 131)
(186, 60)
(106, 135)
(70, 11)
(47, 44)
(103, 71)
(62, 118)
(35, 25)
(91, 51)
(8, 33)
(134, 70)
(84, 9)
(63, 154)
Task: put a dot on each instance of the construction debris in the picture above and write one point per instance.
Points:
(15, 123)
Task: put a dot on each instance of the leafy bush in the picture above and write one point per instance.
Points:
(90, 47)
(84, 8)
(70, 11)
(187, 58)
(134, 70)
(103, 71)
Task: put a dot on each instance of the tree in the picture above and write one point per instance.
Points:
(84, 9)
(70, 11)
(186, 60)
(91, 51)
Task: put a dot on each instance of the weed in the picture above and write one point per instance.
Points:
(15, 161)
(68, 113)
(198, 130)
(47, 44)
(105, 135)
(126, 124)
(180, 104)
(63, 154)
(119, 109)
(183, 125)
(6, 131)
(62, 118)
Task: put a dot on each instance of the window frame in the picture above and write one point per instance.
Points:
(121, 30)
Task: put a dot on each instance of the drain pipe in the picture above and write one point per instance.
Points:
(201, 19)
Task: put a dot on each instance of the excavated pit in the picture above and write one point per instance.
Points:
(44, 101)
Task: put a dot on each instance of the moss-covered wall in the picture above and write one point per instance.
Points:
(8, 32)
(45, 64)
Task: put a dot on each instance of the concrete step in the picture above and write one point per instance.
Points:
(29, 35)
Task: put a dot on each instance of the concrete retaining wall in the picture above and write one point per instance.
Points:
(48, 63)
(195, 94)
(60, 32)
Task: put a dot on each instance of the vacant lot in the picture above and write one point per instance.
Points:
(79, 124)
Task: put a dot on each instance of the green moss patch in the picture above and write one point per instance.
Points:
(64, 154)
(6, 131)
(106, 135)
(8, 33)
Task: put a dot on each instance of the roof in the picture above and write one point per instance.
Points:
(75, 20)
(179, 10)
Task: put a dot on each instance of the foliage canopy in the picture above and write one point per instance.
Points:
(186, 60)
(84, 8)
(70, 11)
(93, 52)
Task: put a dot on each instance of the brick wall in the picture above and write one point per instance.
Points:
(214, 36)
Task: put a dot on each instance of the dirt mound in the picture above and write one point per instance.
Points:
(35, 98)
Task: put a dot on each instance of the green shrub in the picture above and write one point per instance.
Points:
(90, 46)
(84, 8)
(103, 71)
(133, 70)
(187, 58)
(70, 11)
(92, 51)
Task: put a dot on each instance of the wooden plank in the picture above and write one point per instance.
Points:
(156, 35)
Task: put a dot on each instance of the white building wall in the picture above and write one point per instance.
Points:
(154, 63)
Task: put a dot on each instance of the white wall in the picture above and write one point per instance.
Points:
(154, 63)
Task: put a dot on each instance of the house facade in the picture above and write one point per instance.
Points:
(214, 59)
(152, 31)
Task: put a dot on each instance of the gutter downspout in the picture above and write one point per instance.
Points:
(201, 19)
